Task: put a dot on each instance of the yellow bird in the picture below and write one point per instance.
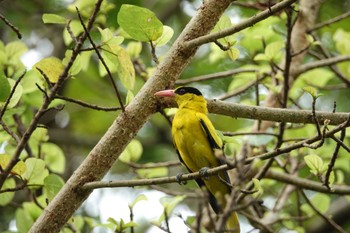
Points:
(195, 140)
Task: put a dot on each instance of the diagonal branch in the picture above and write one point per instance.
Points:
(129, 122)
(238, 27)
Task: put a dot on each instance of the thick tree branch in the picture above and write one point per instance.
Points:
(240, 26)
(125, 127)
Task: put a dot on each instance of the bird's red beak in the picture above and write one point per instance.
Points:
(165, 93)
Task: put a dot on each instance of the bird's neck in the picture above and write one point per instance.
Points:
(196, 103)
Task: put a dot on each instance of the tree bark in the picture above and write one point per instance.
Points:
(127, 124)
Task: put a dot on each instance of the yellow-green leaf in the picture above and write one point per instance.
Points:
(52, 67)
(53, 18)
(167, 34)
(132, 152)
(18, 169)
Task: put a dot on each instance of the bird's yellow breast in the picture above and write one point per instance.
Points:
(191, 141)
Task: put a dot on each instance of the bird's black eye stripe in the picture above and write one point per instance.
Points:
(184, 90)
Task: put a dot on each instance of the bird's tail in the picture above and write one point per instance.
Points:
(232, 224)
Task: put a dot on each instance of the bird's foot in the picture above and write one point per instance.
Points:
(204, 172)
(178, 179)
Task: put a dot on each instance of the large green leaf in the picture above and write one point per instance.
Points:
(140, 23)
(52, 185)
(36, 171)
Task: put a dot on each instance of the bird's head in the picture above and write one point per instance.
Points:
(186, 97)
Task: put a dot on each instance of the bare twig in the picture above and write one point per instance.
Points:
(4, 107)
(87, 105)
(322, 63)
(327, 219)
(153, 51)
(238, 27)
(333, 159)
(102, 61)
(218, 75)
(329, 22)
(15, 29)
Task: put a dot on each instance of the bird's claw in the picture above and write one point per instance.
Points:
(178, 179)
(204, 172)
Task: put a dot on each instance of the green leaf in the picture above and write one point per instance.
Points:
(139, 198)
(167, 34)
(52, 185)
(129, 97)
(311, 90)
(134, 49)
(76, 29)
(33, 209)
(52, 68)
(5, 88)
(54, 157)
(225, 22)
(169, 203)
(261, 57)
(118, 60)
(126, 69)
(233, 53)
(140, 23)
(17, 95)
(77, 64)
(29, 81)
(36, 171)
(259, 190)
(153, 172)
(315, 163)
(53, 18)
(18, 169)
(273, 51)
(320, 201)
(132, 152)
(107, 37)
(14, 50)
(23, 221)
(6, 198)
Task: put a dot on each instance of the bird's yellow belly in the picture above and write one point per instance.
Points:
(192, 143)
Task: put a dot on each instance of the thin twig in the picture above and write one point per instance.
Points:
(217, 75)
(325, 62)
(329, 22)
(102, 61)
(87, 105)
(238, 27)
(153, 51)
(4, 107)
(327, 219)
(333, 159)
(15, 29)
